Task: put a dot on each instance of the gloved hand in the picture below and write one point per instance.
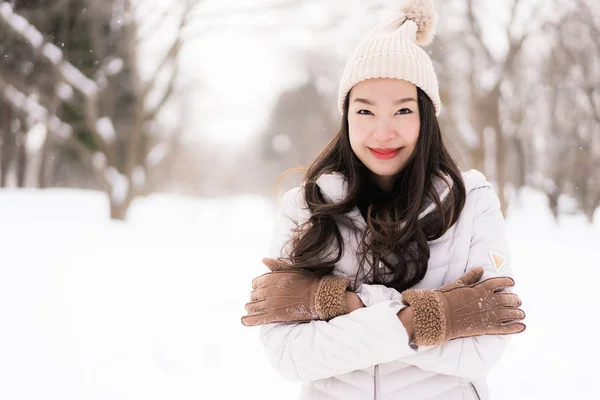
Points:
(471, 277)
(371, 294)
(463, 309)
(291, 295)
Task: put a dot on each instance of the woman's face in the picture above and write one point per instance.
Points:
(384, 123)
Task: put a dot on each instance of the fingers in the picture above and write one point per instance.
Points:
(471, 277)
(254, 320)
(256, 307)
(275, 265)
(508, 300)
(260, 280)
(277, 279)
(512, 328)
(450, 286)
(498, 284)
(256, 313)
(510, 315)
(258, 294)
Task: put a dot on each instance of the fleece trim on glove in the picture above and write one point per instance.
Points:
(429, 317)
(330, 297)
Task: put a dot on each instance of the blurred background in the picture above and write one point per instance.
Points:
(141, 142)
(209, 98)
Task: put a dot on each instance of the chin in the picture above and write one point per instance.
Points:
(386, 173)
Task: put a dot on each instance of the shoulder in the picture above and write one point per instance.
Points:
(479, 190)
(292, 203)
(292, 198)
(474, 180)
(477, 185)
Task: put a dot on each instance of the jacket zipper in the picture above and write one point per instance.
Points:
(376, 383)
(376, 372)
(475, 390)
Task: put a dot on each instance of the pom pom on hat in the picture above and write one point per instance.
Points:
(422, 13)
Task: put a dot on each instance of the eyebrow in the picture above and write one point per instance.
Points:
(369, 102)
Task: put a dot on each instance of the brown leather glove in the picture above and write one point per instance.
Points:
(470, 278)
(292, 295)
(463, 309)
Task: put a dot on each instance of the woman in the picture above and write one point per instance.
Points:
(390, 266)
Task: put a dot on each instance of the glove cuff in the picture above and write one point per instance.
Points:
(429, 317)
(330, 298)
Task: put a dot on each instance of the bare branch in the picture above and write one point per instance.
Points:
(151, 114)
(137, 7)
(94, 28)
(171, 57)
(477, 34)
(513, 15)
(285, 5)
(172, 53)
(152, 27)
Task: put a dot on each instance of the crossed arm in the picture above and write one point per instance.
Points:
(379, 334)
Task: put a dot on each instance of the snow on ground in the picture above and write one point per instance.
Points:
(150, 309)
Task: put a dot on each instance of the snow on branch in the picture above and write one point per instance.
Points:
(29, 108)
(114, 66)
(64, 91)
(20, 24)
(53, 54)
(78, 80)
(106, 129)
(99, 160)
(157, 154)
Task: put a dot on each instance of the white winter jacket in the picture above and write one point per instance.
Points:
(366, 354)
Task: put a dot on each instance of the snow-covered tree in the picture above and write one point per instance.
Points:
(101, 106)
(569, 92)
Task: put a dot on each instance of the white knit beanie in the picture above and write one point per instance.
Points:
(393, 50)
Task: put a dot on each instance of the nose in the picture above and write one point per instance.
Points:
(384, 131)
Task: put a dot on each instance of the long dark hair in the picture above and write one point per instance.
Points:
(392, 228)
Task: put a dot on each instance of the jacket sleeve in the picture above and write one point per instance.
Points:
(374, 335)
(321, 349)
(473, 357)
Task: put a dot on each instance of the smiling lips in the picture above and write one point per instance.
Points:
(383, 153)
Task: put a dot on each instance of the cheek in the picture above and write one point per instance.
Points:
(358, 132)
(411, 130)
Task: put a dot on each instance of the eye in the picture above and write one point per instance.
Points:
(364, 112)
(403, 111)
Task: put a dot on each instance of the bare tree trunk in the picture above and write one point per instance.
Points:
(478, 158)
(553, 203)
(589, 213)
(477, 153)
(521, 161)
(43, 175)
(119, 210)
(7, 150)
(501, 167)
(21, 154)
